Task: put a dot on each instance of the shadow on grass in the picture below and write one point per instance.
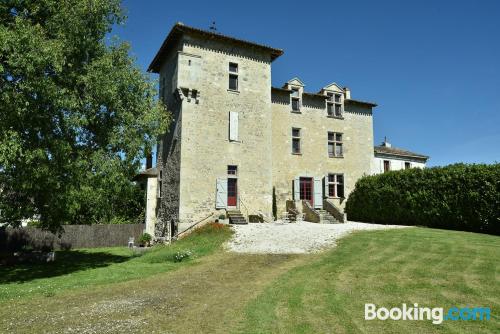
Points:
(66, 262)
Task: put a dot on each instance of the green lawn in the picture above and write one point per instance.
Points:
(433, 268)
(111, 291)
(84, 268)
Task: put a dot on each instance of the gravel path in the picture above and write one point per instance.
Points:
(293, 238)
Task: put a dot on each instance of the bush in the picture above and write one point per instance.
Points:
(458, 197)
(145, 239)
(222, 217)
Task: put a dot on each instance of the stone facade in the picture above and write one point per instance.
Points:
(249, 127)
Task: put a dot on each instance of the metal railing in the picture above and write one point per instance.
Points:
(176, 236)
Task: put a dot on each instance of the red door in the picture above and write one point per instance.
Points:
(306, 189)
(232, 192)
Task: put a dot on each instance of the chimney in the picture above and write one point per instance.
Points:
(385, 143)
(149, 161)
(347, 93)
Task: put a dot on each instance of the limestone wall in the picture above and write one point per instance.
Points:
(357, 129)
(206, 150)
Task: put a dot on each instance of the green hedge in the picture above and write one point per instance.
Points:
(458, 197)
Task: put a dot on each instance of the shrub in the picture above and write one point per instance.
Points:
(145, 239)
(222, 217)
(182, 255)
(458, 197)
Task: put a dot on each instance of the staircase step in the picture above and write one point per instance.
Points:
(235, 217)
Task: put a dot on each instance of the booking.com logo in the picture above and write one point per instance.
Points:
(436, 314)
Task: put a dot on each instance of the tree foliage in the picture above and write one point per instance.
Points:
(458, 197)
(76, 114)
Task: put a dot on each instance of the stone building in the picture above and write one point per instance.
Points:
(387, 158)
(236, 140)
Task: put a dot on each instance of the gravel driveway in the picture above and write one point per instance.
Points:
(293, 238)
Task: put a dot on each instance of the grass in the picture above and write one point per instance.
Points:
(430, 267)
(84, 268)
(221, 292)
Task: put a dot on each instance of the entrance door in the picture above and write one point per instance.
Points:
(232, 192)
(306, 189)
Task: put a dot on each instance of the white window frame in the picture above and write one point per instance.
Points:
(335, 144)
(335, 183)
(332, 102)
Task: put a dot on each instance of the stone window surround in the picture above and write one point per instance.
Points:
(295, 98)
(335, 143)
(332, 102)
(335, 183)
(297, 138)
(235, 74)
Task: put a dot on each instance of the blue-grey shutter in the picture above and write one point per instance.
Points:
(318, 190)
(233, 126)
(221, 194)
(326, 192)
(296, 189)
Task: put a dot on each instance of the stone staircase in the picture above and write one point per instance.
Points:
(235, 217)
(325, 217)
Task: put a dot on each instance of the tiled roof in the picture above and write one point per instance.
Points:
(179, 28)
(399, 152)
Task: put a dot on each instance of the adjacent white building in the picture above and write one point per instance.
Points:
(387, 158)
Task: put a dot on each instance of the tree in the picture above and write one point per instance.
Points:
(76, 114)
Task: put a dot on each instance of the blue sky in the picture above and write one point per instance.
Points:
(433, 67)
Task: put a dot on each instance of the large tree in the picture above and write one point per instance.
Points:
(76, 113)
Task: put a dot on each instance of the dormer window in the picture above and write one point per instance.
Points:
(233, 76)
(295, 96)
(334, 105)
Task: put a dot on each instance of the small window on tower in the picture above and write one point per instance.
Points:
(295, 141)
(233, 76)
(232, 170)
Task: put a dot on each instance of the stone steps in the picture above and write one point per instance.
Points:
(235, 217)
(326, 217)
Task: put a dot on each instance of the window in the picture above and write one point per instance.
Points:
(295, 141)
(334, 105)
(329, 109)
(335, 185)
(335, 146)
(295, 99)
(387, 166)
(232, 170)
(233, 67)
(233, 76)
(338, 110)
(407, 165)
